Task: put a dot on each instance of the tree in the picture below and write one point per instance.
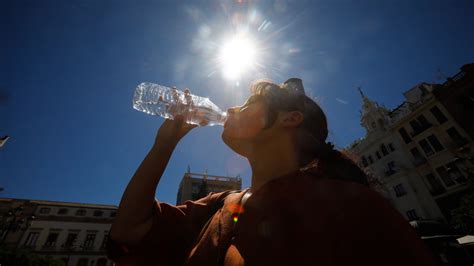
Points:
(463, 216)
(21, 257)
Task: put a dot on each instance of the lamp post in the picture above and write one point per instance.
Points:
(14, 220)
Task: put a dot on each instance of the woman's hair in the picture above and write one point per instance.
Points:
(311, 135)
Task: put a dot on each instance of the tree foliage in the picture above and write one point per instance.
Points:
(21, 257)
(463, 216)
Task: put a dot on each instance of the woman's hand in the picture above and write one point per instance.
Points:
(171, 131)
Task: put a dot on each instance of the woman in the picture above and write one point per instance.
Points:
(308, 204)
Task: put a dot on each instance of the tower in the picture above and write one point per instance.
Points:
(374, 118)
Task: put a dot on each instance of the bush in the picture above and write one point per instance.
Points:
(20, 257)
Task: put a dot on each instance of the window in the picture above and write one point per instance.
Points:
(435, 143)
(404, 135)
(416, 126)
(416, 153)
(45, 210)
(391, 165)
(391, 147)
(98, 213)
(71, 240)
(51, 241)
(106, 237)
(419, 159)
(371, 161)
(364, 161)
(438, 115)
(426, 147)
(419, 125)
(81, 212)
(63, 211)
(399, 190)
(89, 242)
(31, 239)
(423, 122)
(112, 214)
(411, 214)
(455, 174)
(443, 173)
(378, 155)
(455, 136)
(436, 186)
(383, 149)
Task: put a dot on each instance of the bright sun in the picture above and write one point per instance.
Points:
(237, 56)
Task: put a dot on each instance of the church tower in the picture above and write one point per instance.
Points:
(374, 118)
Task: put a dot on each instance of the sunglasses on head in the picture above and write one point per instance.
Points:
(294, 85)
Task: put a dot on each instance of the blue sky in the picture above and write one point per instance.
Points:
(68, 70)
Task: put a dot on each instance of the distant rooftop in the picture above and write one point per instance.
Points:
(213, 177)
(61, 203)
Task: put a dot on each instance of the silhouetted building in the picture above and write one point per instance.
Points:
(457, 96)
(419, 152)
(73, 232)
(195, 186)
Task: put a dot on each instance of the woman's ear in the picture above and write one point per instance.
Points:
(291, 119)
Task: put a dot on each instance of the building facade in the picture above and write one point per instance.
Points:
(415, 150)
(195, 186)
(73, 232)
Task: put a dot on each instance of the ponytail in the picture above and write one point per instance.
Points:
(335, 164)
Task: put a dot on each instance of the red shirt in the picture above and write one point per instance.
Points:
(298, 219)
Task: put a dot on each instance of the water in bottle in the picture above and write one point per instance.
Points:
(168, 102)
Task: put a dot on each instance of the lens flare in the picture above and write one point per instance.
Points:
(237, 56)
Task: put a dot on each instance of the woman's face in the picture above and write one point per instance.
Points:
(244, 123)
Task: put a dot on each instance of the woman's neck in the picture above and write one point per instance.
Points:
(271, 163)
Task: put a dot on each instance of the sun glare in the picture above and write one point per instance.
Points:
(237, 56)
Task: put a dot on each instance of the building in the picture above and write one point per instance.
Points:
(195, 186)
(73, 232)
(457, 96)
(415, 152)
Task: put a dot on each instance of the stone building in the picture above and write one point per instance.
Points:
(73, 232)
(414, 151)
(195, 186)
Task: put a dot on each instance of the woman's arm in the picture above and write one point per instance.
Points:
(134, 216)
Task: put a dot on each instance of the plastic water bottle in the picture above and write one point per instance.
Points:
(168, 102)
